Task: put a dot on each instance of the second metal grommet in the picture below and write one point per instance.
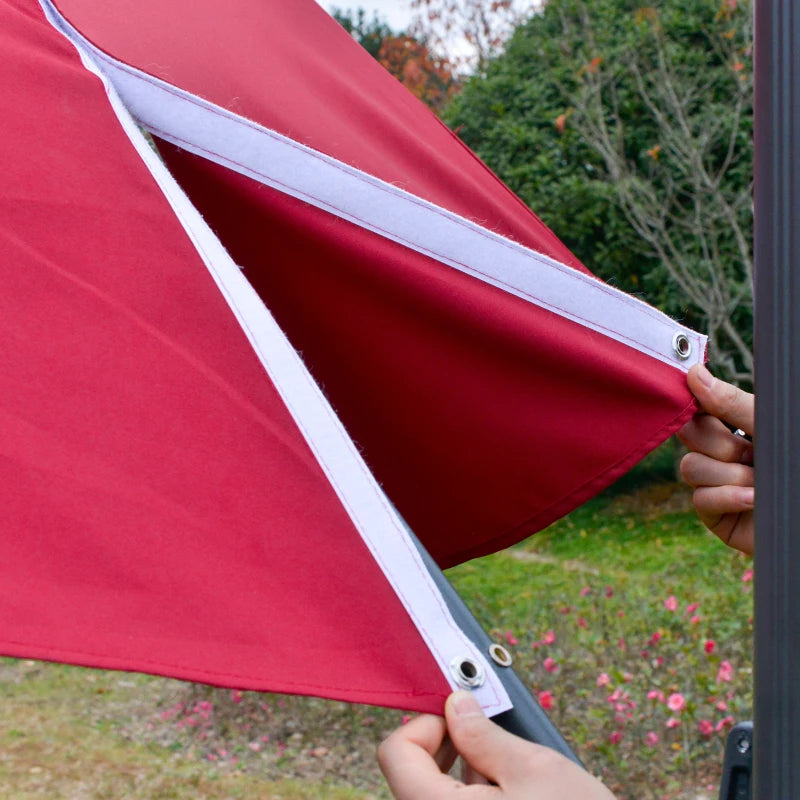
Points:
(500, 655)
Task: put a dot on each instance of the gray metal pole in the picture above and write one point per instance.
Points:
(526, 719)
(777, 442)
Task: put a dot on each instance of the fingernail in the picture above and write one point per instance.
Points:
(747, 496)
(465, 705)
(704, 376)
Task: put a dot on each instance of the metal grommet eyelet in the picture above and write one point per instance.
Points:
(682, 346)
(500, 655)
(467, 672)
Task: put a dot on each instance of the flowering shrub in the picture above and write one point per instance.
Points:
(646, 688)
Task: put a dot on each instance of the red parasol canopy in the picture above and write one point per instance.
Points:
(178, 495)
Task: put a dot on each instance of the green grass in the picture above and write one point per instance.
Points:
(66, 733)
(598, 580)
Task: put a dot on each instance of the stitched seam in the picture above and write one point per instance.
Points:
(199, 670)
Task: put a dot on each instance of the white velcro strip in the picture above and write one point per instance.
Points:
(275, 160)
(370, 511)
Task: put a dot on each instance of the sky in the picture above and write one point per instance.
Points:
(395, 12)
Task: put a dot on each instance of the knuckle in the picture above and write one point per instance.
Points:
(689, 466)
(728, 397)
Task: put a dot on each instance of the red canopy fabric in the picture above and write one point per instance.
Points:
(178, 497)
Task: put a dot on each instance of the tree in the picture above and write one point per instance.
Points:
(425, 75)
(629, 127)
(412, 63)
(369, 33)
(472, 32)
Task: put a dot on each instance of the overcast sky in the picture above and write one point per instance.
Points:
(395, 12)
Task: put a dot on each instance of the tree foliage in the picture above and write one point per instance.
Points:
(629, 128)
(471, 31)
(409, 59)
(369, 32)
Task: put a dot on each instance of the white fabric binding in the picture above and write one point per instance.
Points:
(275, 160)
(371, 513)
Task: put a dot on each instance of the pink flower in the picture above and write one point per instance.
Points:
(254, 746)
(671, 603)
(582, 622)
(621, 643)
(615, 737)
(236, 696)
(676, 702)
(549, 638)
(695, 619)
(691, 608)
(651, 739)
(725, 672)
(709, 646)
(603, 679)
(406, 719)
(627, 677)
(615, 696)
(609, 592)
(705, 727)
(747, 575)
(724, 722)
(550, 664)
(566, 609)
(654, 694)
(585, 591)
(546, 700)
(510, 638)
(620, 614)
(655, 639)
(673, 722)
(721, 706)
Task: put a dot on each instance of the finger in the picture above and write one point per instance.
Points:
(492, 752)
(700, 470)
(407, 760)
(706, 434)
(722, 400)
(727, 511)
(717, 501)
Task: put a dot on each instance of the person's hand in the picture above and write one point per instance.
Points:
(720, 468)
(416, 758)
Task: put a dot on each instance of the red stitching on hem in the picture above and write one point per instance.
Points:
(167, 666)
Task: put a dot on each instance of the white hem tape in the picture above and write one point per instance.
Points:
(196, 125)
(371, 513)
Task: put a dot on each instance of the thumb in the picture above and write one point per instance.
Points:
(486, 747)
(722, 400)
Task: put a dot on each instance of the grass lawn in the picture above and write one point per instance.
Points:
(626, 617)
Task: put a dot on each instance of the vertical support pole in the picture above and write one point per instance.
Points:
(777, 441)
